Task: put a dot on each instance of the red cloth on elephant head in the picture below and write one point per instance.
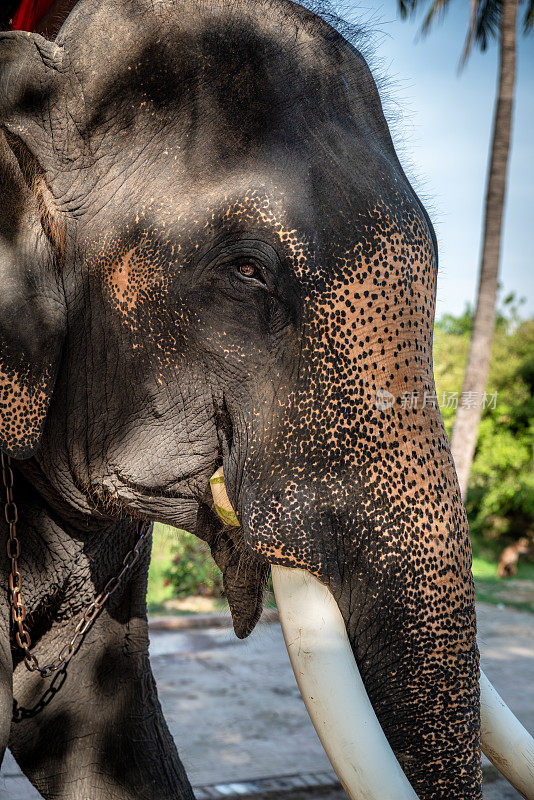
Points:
(30, 13)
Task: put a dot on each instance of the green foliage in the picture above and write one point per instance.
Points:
(181, 566)
(163, 544)
(192, 570)
(456, 326)
(501, 486)
(500, 500)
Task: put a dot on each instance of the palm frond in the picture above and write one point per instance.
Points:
(488, 22)
(436, 11)
(473, 14)
(528, 21)
(407, 7)
(484, 20)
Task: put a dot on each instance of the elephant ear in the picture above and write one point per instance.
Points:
(32, 307)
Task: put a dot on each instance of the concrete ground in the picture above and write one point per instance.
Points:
(237, 717)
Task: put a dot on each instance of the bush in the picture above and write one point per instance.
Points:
(192, 570)
(500, 498)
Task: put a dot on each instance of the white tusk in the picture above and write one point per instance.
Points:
(333, 691)
(505, 741)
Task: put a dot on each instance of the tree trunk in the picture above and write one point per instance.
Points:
(464, 435)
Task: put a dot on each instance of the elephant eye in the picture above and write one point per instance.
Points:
(251, 273)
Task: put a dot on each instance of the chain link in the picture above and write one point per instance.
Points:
(18, 609)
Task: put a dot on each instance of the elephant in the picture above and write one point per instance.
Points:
(211, 258)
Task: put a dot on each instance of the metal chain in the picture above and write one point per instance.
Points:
(18, 609)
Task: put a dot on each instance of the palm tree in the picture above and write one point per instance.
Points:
(488, 19)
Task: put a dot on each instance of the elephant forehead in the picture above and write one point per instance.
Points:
(162, 236)
(249, 204)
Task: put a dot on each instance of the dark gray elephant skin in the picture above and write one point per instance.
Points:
(210, 255)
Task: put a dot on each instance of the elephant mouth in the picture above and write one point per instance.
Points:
(244, 576)
(340, 709)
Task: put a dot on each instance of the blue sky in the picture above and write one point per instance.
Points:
(442, 127)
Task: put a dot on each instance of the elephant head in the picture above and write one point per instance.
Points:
(211, 257)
